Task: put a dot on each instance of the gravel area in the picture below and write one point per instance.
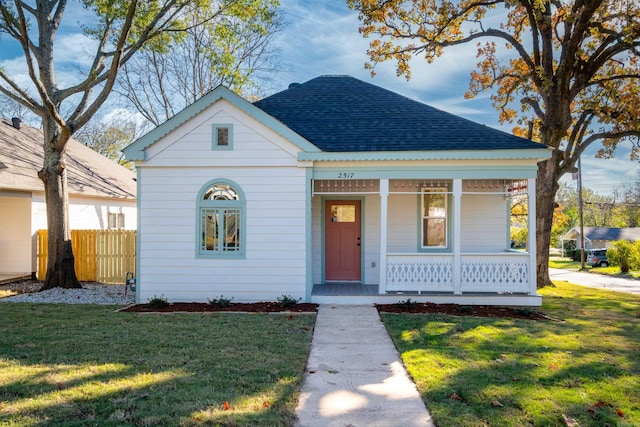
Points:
(91, 293)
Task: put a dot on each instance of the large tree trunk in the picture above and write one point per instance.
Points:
(60, 262)
(546, 189)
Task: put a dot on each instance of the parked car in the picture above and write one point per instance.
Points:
(597, 258)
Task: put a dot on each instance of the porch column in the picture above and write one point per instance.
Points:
(457, 264)
(531, 236)
(384, 196)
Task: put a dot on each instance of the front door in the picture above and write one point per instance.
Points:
(342, 240)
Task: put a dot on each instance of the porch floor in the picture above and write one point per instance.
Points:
(357, 293)
(343, 289)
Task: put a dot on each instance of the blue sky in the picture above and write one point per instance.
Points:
(321, 37)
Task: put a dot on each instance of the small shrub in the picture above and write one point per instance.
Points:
(574, 254)
(288, 301)
(158, 302)
(621, 253)
(466, 309)
(407, 304)
(221, 301)
(524, 311)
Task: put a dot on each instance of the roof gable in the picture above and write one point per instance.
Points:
(88, 172)
(136, 150)
(344, 114)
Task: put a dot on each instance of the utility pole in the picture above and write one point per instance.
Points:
(580, 214)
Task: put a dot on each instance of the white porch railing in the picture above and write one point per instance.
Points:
(501, 272)
(419, 273)
(504, 272)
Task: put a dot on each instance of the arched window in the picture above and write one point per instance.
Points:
(220, 220)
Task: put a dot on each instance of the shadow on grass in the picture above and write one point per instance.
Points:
(510, 372)
(86, 365)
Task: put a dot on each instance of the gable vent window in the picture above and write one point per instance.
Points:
(222, 136)
(115, 221)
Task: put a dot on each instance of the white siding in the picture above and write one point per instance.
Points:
(484, 223)
(265, 169)
(316, 238)
(371, 223)
(15, 238)
(403, 223)
(191, 144)
(275, 237)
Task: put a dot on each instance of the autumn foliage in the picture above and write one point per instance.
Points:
(570, 69)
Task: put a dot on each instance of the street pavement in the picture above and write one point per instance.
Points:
(594, 280)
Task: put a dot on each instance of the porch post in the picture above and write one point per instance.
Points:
(531, 236)
(457, 264)
(384, 196)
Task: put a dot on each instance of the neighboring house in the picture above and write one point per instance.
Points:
(102, 194)
(334, 190)
(600, 237)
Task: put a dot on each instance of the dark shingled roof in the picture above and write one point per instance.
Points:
(344, 114)
(605, 233)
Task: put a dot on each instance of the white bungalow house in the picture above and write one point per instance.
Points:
(332, 191)
(102, 195)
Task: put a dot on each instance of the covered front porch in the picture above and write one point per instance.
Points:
(430, 240)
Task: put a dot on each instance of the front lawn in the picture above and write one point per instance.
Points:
(80, 365)
(583, 366)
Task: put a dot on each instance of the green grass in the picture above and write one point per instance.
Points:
(510, 372)
(565, 263)
(79, 365)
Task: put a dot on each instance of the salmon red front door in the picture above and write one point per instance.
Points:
(342, 240)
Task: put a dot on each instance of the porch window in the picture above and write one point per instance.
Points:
(222, 135)
(434, 218)
(220, 221)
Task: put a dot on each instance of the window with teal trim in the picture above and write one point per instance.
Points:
(222, 136)
(220, 220)
(434, 218)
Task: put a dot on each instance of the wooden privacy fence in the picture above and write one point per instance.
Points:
(100, 255)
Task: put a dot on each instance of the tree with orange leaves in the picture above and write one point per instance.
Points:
(571, 68)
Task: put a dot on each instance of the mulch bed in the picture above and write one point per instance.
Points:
(276, 307)
(462, 310)
(201, 307)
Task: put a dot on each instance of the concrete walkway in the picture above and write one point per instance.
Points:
(355, 376)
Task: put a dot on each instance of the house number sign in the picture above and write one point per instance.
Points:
(346, 175)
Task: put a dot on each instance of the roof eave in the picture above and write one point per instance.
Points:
(537, 154)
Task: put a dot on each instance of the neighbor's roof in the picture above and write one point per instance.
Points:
(89, 173)
(604, 233)
(344, 114)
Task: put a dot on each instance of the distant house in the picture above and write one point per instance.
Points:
(332, 191)
(102, 194)
(600, 237)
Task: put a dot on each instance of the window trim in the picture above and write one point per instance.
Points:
(446, 191)
(202, 204)
(214, 136)
(115, 221)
